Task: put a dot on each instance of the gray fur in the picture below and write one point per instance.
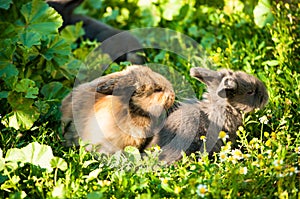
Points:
(229, 95)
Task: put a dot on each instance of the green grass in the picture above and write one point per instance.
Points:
(38, 67)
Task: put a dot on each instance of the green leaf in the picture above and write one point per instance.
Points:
(271, 63)
(160, 56)
(2, 161)
(22, 119)
(11, 183)
(134, 153)
(30, 38)
(7, 68)
(193, 31)
(27, 86)
(208, 40)
(233, 6)
(149, 16)
(5, 4)
(42, 106)
(263, 14)
(167, 188)
(3, 94)
(183, 12)
(59, 163)
(34, 153)
(89, 162)
(72, 32)
(59, 191)
(93, 174)
(95, 195)
(6, 53)
(23, 114)
(72, 68)
(8, 31)
(39, 17)
(2, 164)
(54, 90)
(58, 50)
(18, 195)
(171, 9)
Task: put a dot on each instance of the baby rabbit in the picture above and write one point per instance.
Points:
(117, 110)
(122, 47)
(229, 94)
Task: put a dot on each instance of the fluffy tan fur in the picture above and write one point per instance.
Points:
(116, 110)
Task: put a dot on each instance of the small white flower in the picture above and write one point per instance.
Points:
(237, 154)
(232, 159)
(227, 147)
(164, 180)
(297, 149)
(201, 190)
(243, 170)
(223, 156)
(277, 162)
(269, 153)
(254, 140)
(263, 120)
(104, 183)
(223, 135)
(293, 170)
(203, 138)
(255, 163)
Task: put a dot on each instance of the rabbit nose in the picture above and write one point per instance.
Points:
(230, 83)
(170, 97)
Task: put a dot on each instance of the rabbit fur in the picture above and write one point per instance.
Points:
(229, 95)
(122, 47)
(117, 110)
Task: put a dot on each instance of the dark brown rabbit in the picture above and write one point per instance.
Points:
(116, 110)
(120, 45)
(229, 94)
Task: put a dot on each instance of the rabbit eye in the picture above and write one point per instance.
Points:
(157, 90)
(251, 92)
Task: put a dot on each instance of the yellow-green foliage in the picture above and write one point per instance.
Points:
(38, 66)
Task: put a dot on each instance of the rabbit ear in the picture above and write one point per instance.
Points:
(115, 84)
(204, 75)
(227, 87)
(107, 87)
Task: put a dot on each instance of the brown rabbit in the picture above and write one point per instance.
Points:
(116, 110)
(229, 94)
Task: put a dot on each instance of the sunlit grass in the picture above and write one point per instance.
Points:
(263, 163)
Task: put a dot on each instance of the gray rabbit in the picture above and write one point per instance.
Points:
(229, 94)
